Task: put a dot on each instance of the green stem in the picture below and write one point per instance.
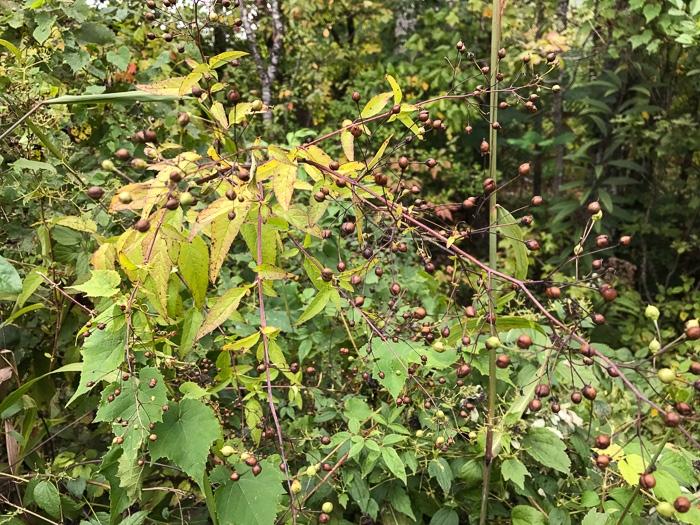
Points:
(493, 246)
(637, 489)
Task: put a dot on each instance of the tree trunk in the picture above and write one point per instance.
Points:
(406, 16)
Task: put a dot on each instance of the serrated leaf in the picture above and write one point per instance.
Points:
(190, 327)
(440, 469)
(396, 88)
(445, 516)
(103, 351)
(46, 496)
(102, 283)
(242, 344)
(401, 501)
(193, 263)
(185, 436)
(252, 499)
(547, 448)
(224, 306)
(188, 82)
(526, 515)
(513, 470)
(376, 104)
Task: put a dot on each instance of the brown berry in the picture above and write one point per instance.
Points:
(602, 461)
(524, 342)
(682, 504)
(671, 419)
(648, 481)
(537, 200)
(503, 361)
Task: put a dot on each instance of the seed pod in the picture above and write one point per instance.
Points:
(489, 185)
(142, 225)
(355, 96)
(535, 405)
(532, 245)
(503, 361)
(554, 292)
(484, 147)
(602, 461)
(537, 200)
(524, 342)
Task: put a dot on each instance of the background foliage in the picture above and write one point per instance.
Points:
(622, 131)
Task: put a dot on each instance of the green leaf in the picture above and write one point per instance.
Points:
(185, 436)
(43, 28)
(13, 48)
(589, 499)
(513, 470)
(252, 500)
(46, 496)
(169, 87)
(376, 104)
(559, 516)
(224, 306)
(401, 501)
(440, 469)
(651, 11)
(103, 352)
(92, 33)
(515, 234)
(667, 488)
(150, 403)
(193, 263)
(102, 283)
(10, 281)
(32, 165)
(393, 461)
(472, 471)
(526, 515)
(120, 58)
(31, 282)
(395, 375)
(315, 306)
(445, 516)
(190, 327)
(547, 448)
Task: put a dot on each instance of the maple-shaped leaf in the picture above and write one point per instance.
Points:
(185, 436)
(252, 500)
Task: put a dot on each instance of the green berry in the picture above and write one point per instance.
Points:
(226, 451)
(666, 375)
(652, 312)
(107, 165)
(665, 509)
(654, 346)
(493, 342)
(327, 507)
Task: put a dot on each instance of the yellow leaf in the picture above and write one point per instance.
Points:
(376, 104)
(219, 113)
(397, 89)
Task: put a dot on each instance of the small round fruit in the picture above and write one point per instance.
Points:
(542, 390)
(693, 333)
(355, 96)
(122, 154)
(608, 292)
(493, 342)
(186, 199)
(257, 469)
(647, 481)
(576, 398)
(537, 200)
(556, 408)
(535, 405)
(671, 419)
(554, 292)
(694, 369)
(682, 504)
(440, 414)
(142, 225)
(602, 442)
(172, 204)
(463, 371)
(95, 192)
(125, 197)
(503, 361)
(666, 375)
(589, 392)
(226, 451)
(324, 518)
(257, 105)
(524, 342)
(532, 245)
(311, 471)
(327, 507)
(665, 509)
(593, 208)
(602, 461)
(652, 312)
(107, 165)
(296, 486)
